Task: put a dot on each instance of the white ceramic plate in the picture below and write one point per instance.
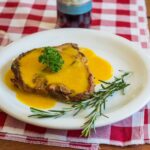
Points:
(118, 51)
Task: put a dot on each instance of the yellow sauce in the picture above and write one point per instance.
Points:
(29, 99)
(100, 68)
(69, 75)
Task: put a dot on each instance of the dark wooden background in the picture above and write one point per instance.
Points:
(148, 12)
(11, 145)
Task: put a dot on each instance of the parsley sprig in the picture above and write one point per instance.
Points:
(97, 104)
(52, 59)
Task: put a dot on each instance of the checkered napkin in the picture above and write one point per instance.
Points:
(126, 18)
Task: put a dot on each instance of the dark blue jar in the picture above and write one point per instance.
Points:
(74, 13)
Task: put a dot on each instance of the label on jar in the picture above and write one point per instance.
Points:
(74, 7)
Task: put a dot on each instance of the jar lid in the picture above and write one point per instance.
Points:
(74, 8)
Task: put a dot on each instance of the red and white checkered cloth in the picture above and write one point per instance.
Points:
(126, 18)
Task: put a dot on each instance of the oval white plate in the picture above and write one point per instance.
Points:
(118, 51)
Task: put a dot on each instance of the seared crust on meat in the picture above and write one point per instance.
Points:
(44, 88)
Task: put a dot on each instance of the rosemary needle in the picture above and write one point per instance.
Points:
(96, 103)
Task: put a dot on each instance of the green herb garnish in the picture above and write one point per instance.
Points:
(96, 103)
(52, 58)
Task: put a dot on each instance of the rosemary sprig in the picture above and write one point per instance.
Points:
(96, 103)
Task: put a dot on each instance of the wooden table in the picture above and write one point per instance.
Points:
(11, 145)
(148, 12)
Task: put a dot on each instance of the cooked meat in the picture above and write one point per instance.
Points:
(73, 82)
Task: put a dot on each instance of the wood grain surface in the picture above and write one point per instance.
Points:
(148, 12)
(11, 145)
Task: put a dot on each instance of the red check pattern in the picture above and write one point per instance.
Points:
(126, 18)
